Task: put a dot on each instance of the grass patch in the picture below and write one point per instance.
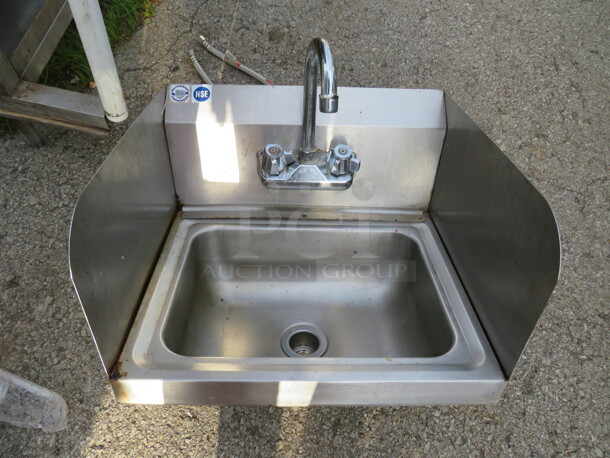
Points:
(68, 67)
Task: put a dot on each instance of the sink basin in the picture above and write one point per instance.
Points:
(381, 297)
(380, 303)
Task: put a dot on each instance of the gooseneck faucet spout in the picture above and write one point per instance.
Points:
(319, 58)
(307, 167)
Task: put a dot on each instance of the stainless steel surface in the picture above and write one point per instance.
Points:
(38, 45)
(210, 327)
(318, 59)
(500, 233)
(321, 298)
(9, 79)
(398, 134)
(118, 227)
(53, 106)
(241, 286)
(16, 18)
(290, 212)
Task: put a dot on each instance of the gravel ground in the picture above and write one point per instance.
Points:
(533, 74)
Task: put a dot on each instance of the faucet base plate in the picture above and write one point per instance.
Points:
(304, 176)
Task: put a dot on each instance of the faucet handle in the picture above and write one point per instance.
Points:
(273, 160)
(342, 160)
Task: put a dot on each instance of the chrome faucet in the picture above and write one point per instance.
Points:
(319, 59)
(333, 169)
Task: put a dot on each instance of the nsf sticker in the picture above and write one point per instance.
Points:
(200, 93)
(179, 93)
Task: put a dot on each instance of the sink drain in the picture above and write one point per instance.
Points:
(304, 340)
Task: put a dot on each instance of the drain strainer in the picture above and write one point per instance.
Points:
(304, 340)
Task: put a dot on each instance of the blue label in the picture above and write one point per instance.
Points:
(202, 93)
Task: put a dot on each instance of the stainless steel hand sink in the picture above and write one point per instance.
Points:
(419, 284)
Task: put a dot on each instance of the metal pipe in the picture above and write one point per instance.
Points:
(319, 58)
(90, 25)
(211, 48)
(204, 76)
(229, 58)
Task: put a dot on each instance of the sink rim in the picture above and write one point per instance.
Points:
(149, 373)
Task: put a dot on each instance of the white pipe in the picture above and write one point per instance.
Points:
(90, 25)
